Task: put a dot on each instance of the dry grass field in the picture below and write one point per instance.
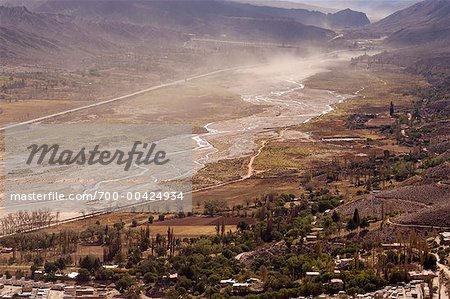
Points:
(293, 156)
(247, 190)
(203, 221)
(18, 111)
(196, 103)
(185, 227)
(220, 171)
(189, 231)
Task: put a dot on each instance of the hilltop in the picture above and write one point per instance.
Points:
(423, 22)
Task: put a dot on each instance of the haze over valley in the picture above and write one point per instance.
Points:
(300, 149)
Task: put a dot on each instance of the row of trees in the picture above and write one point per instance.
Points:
(22, 221)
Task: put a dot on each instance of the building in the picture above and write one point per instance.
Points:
(391, 246)
(42, 294)
(312, 274)
(337, 283)
(343, 263)
(110, 266)
(413, 290)
(229, 281)
(173, 276)
(253, 280)
(445, 238)
(423, 275)
(38, 274)
(80, 292)
(380, 122)
(240, 287)
(72, 275)
(311, 238)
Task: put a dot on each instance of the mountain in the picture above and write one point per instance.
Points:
(424, 22)
(375, 9)
(348, 18)
(179, 12)
(27, 34)
(30, 4)
(79, 28)
(288, 5)
(16, 43)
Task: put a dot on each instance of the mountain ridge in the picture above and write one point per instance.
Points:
(179, 10)
(426, 21)
(86, 28)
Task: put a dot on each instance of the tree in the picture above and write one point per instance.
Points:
(91, 263)
(150, 277)
(263, 272)
(430, 262)
(397, 276)
(124, 283)
(134, 223)
(83, 275)
(356, 219)
(50, 277)
(213, 206)
(8, 274)
(336, 217)
(351, 225)
(62, 262)
(20, 273)
(133, 292)
(243, 225)
(365, 222)
(104, 274)
(50, 267)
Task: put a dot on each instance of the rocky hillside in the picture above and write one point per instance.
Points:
(78, 28)
(424, 22)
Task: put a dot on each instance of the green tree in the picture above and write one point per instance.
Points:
(364, 223)
(430, 262)
(50, 267)
(336, 217)
(351, 225)
(124, 283)
(356, 219)
(83, 275)
(243, 225)
(134, 223)
(90, 263)
(214, 206)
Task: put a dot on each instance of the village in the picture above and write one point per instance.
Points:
(420, 284)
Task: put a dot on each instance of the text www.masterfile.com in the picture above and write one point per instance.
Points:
(97, 196)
